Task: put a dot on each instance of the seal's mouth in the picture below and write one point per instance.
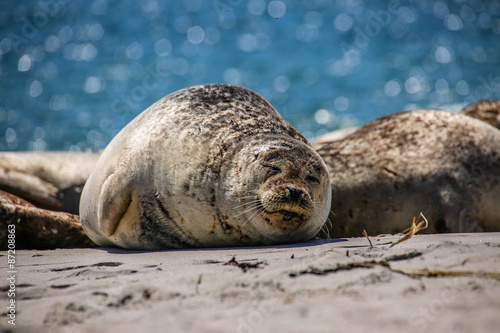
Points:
(288, 216)
(285, 219)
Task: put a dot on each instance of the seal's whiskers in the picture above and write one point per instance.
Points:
(257, 212)
(256, 205)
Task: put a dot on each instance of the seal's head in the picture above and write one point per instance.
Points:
(286, 192)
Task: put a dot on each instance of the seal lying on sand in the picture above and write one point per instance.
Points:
(442, 164)
(320, 141)
(487, 110)
(211, 165)
(38, 228)
(49, 180)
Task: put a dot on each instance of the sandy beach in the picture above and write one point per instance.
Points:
(430, 283)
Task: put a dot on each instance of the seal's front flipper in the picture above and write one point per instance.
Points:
(115, 198)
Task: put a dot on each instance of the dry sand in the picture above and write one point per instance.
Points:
(430, 283)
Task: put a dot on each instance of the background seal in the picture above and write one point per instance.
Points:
(442, 164)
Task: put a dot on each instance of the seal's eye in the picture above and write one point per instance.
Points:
(274, 169)
(312, 179)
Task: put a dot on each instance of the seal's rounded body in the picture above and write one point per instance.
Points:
(210, 165)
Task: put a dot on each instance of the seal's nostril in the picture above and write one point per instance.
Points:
(294, 193)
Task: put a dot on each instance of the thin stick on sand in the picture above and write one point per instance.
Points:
(413, 229)
(366, 235)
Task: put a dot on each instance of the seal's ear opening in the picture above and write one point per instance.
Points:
(114, 200)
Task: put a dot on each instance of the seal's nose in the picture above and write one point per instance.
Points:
(294, 193)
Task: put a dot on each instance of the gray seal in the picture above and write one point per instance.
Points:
(49, 180)
(207, 166)
(441, 164)
(487, 110)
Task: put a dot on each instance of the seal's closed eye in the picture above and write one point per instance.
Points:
(275, 169)
(312, 179)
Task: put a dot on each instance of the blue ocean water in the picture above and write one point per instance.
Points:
(73, 73)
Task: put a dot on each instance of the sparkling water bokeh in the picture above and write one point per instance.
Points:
(73, 73)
